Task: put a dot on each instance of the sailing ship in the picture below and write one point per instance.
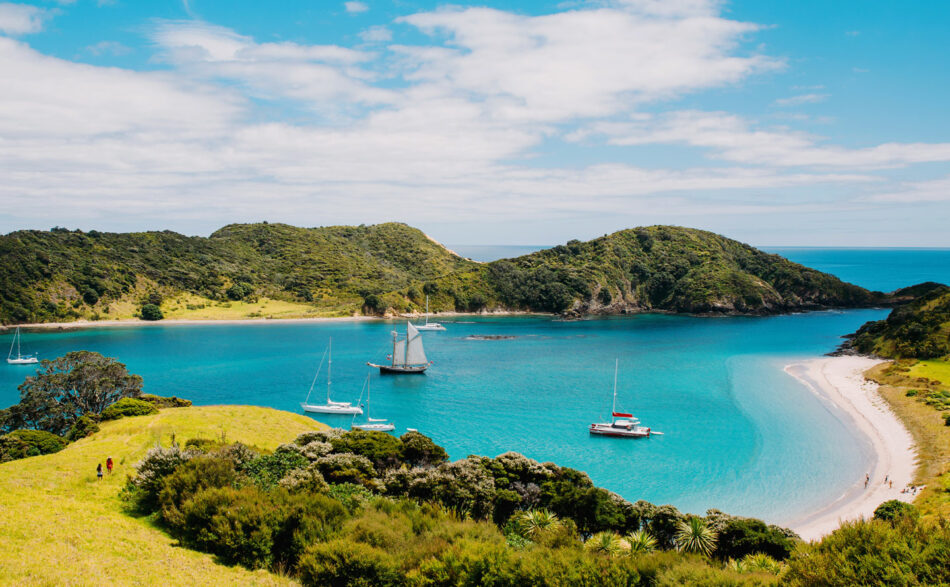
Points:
(331, 407)
(429, 325)
(623, 425)
(20, 358)
(372, 424)
(408, 355)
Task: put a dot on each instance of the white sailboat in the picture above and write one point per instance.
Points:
(623, 425)
(331, 407)
(20, 359)
(429, 325)
(372, 424)
(408, 355)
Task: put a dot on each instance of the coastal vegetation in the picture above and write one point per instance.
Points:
(919, 329)
(217, 466)
(279, 271)
(916, 335)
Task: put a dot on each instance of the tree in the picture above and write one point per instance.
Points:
(893, 509)
(693, 535)
(69, 387)
(151, 312)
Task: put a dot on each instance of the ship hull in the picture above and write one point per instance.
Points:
(394, 370)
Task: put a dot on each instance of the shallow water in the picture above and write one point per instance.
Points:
(740, 434)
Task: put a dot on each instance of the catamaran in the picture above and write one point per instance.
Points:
(372, 424)
(623, 425)
(331, 407)
(408, 355)
(20, 358)
(429, 325)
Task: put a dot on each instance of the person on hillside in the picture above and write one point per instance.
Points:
(99, 472)
(109, 464)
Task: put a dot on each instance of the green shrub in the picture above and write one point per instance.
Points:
(188, 479)
(128, 407)
(267, 470)
(143, 490)
(911, 392)
(238, 525)
(344, 562)
(874, 552)
(894, 509)
(90, 296)
(740, 537)
(383, 450)
(165, 402)
(346, 468)
(421, 451)
(201, 444)
(151, 312)
(20, 444)
(84, 426)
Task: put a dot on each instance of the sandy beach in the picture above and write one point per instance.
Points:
(841, 382)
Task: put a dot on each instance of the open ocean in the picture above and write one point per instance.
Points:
(740, 434)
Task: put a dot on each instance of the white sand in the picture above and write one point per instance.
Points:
(840, 381)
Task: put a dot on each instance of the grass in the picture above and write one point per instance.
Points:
(933, 370)
(926, 424)
(60, 526)
(193, 307)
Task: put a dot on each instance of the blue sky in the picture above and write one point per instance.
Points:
(776, 123)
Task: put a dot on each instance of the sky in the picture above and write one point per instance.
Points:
(807, 123)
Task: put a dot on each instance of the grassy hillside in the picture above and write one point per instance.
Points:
(919, 329)
(60, 526)
(280, 271)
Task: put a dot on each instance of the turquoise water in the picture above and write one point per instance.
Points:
(741, 435)
(876, 269)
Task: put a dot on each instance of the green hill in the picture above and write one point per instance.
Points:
(276, 270)
(919, 329)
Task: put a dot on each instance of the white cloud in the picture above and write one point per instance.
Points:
(935, 190)
(355, 7)
(427, 133)
(320, 76)
(579, 63)
(108, 48)
(801, 99)
(732, 138)
(21, 19)
(376, 34)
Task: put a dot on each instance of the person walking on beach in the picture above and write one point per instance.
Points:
(867, 479)
(109, 464)
(99, 472)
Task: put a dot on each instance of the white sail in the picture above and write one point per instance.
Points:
(399, 353)
(415, 354)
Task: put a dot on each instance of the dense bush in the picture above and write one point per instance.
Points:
(151, 312)
(740, 537)
(128, 407)
(907, 552)
(893, 510)
(434, 526)
(20, 444)
(165, 402)
(84, 426)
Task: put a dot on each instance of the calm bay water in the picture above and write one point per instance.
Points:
(741, 435)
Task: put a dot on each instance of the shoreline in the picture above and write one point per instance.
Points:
(78, 324)
(840, 381)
